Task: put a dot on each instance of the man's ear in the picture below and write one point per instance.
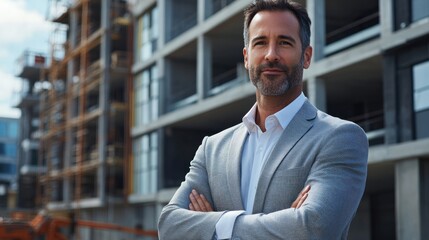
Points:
(245, 57)
(308, 53)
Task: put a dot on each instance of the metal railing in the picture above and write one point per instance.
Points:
(356, 32)
(30, 59)
(372, 123)
(182, 25)
(182, 97)
(228, 79)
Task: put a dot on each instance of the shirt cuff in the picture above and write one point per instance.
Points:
(225, 224)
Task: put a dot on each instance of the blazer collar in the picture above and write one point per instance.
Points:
(297, 128)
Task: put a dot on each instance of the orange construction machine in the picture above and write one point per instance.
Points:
(50, 228)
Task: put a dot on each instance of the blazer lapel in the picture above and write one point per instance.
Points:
(234, 167)
(297, 128)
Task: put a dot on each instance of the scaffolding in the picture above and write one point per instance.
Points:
(83, 112)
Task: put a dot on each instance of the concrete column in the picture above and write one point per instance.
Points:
(424, 165)
(316, 11)
(201, 11)
(204, 63)
(317, 93)
(161, 5)
(104, 101)
(408, 197)
(386, 16)
(161, 63)
(67, 191)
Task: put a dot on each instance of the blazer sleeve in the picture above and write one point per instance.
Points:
(337, 180)
(176, 220)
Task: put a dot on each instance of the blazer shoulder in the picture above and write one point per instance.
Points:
(226, 132)
(331, 122)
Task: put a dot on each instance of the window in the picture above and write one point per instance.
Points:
(145, 155)
(419, 9)
(421, 99)
(8, 150)
(409, 11)
(12, 130)
(8, 129)
(146, 96)
(3, 129)
(147, 35)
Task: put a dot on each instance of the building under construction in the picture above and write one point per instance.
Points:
(370, 65)
(184, 79)
(84, 116)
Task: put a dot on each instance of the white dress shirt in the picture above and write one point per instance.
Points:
(257, 148)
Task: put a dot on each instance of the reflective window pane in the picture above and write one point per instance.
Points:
(420, 9)
(421, 86)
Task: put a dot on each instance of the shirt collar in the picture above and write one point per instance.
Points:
(284, 116)
(249, 119)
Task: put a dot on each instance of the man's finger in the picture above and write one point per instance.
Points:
(301, 201)
(191, 207)
(206, 203)
(194, 202)
(199, 200)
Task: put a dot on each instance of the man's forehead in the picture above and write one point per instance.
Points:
(278, 20)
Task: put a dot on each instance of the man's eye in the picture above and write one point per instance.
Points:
(285, 43)
(259, 43)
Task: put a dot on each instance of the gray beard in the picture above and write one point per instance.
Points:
(270, 87)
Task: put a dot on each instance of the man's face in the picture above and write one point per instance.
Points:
(274, 54)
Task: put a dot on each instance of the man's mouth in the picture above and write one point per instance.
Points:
(272, 71)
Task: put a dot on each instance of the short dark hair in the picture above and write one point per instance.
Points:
(279, 5)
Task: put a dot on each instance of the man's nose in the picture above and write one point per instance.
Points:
(272, 54)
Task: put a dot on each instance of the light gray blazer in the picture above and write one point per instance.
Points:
(327, 153)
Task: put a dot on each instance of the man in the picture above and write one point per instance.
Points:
(244, 181)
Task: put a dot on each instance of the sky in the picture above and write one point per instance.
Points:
(23, 26)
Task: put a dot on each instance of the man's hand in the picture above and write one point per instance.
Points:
(301, 197)
(200, 204)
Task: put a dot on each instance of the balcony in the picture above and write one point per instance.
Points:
(350, 23)
(181, 16)
(228, 79)
(373, 124)
(181, 80)
(224, 49)
(30, 64)
(355, 93)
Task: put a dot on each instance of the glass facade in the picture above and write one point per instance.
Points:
(8, 129)
(146, 96)
(421, 99)
(419, 9)
(8, 150)
(146, 35)
(8, 146)
(145, 165)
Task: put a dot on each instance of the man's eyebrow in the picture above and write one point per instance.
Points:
(287, 37)
(258, 38)
(284, 37)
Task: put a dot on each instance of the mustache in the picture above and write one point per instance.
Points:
(282, 67)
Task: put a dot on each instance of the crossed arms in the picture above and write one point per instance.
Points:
(199, 203)
(337, 183)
